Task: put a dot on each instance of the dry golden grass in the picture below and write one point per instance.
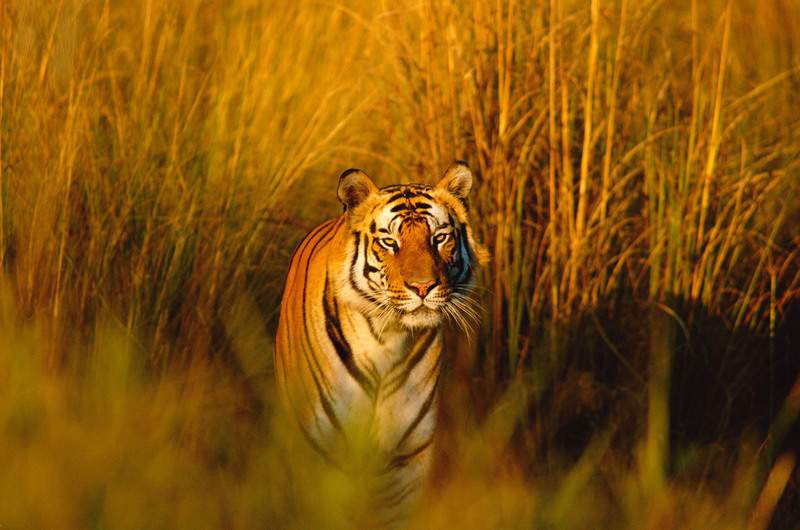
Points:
(158, 161)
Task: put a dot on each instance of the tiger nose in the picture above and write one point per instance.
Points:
(422, 287)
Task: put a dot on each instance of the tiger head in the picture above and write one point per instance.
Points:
(413, 254)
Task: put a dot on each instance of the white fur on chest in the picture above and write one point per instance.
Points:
(401, 413)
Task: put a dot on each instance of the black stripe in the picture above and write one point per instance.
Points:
(324, 395)
(373, 372)
(417, 353)
(395, 217)
(299, 249)
(415, 187)
(400, 497)
(325, 456)
(423, 411)
(434, 371)
(421, 206)
(300, 246)
(352, 279)
(372, 331)
(355, 253)
(393, 498)
(315, 232)
(400, 207)
(305, 283)
(370, 282)
(366, 256)
(314, 368)
(376, 256)
(340, 344)
(368, 365)
(397, 196)
(291, 393)
(405, 359)
(403, 458)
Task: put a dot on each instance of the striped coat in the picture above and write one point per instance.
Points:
(359, 345)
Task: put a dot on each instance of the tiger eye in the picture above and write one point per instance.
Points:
(388, 242)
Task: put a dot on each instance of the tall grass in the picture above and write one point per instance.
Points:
(668, 203)
(601, 145)
(148, 151)
(637, 169)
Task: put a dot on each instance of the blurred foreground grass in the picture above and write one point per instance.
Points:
(102, 443)
(638, 185)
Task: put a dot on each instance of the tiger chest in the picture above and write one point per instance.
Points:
(404, 373)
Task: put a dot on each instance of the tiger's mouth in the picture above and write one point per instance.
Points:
(455, 306)
(429, 304)
(424, 309)
(422, 316)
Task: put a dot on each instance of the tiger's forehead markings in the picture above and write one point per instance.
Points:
(409, 194)
(410, 206)
(407, 191)
(405, 202)
(401, 187)
(410, 216)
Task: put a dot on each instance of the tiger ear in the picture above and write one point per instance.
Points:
(354, 187)
(457, 180)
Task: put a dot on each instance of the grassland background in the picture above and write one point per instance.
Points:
(638, 185)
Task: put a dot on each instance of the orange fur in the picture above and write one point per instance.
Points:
(349, 354)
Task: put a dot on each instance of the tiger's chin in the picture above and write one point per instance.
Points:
(422, 317)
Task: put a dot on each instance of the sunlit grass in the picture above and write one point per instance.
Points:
(638, 167)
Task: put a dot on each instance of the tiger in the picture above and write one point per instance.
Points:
(359, 338)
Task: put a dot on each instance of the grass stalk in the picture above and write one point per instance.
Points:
(714, 141)
(586, 154)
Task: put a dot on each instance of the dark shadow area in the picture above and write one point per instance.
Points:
(727, 388)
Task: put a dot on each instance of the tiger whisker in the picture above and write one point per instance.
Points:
(463, 307)
(465, 304)
(385, 318)
(470, 289)
(382, 312)
(456, 317)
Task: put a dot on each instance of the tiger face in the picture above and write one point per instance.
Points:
(414, 254)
